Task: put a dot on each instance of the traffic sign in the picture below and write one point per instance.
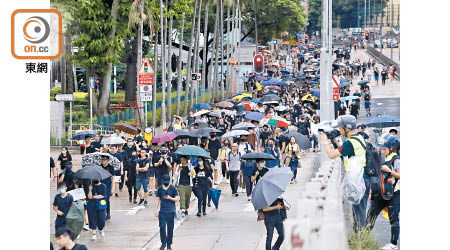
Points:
(336, 81)
(196, 76)
(146, 88)
(146, 97)
(145, 73)
(64, 97)
(91, 82)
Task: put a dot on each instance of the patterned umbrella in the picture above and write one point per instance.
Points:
(235, 133)
(225, 104)
(96, 159)
(127, 128)
(278, 121)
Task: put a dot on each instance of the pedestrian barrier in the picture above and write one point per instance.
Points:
(384, 59)
(320, 222)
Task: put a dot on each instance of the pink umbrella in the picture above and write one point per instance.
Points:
(164, 137)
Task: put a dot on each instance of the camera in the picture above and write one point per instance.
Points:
(331, 134)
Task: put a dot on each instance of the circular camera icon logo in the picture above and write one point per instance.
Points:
(36, 29)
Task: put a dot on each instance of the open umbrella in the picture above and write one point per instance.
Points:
(278, 122)
(199, 113)
(254, 116)
(285, 71)
(282, 83)
(182, 134)
(260, 78)
(92, 172)
(164, 137)
(274, 87)
(343, 84)
(215, 195)
(363, 82)
(316, 93)
(348, 98)
(384, 121)
(300, 139)
(81, 135)
(75, 218)
(230, 100)
(212, 114)
(270, 99)
(243, 125)
(258, 156)
(113, 140)
(127, 128)
(225, 104)
(270, 187)
(247, 105)
(96, 159)
(255, 100)
(235, 133)
(201, 106)
(191, 150)
(281, 108)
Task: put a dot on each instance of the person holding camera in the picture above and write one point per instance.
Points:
(352, 150)
(163, 164)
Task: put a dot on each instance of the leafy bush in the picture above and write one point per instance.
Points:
(363, 240)
(54, 91)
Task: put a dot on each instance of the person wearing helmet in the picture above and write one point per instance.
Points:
(353, 149)
(392, 166)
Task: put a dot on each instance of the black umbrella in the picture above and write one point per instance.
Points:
(212, 114)
(270, 98)
(81, 135)
(182, 134)
(243, 125)
(127, 128)
(258, 156)
(92, 172)
(300, 139)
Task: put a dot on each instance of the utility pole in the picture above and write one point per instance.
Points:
(392, 27)
(381, 25)
(256, 28)
(326, 103)
(365, 12)
(330, 58)
(139, 61)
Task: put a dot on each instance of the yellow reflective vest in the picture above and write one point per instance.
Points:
(360, 152)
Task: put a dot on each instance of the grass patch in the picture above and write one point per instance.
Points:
(363, 240)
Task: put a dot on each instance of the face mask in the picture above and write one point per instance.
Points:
(130, 144)
(63, 152)
(262, 165)
(200, 163)
(270, 145)
(144, 144)
(61, 191)
(227, 144)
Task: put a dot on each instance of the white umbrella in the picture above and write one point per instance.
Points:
(202, 112)
(235, 133)
(113, 140)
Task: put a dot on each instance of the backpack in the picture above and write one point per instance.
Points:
(367, 97)
(382, 186)
(373, 160)
(239, 153)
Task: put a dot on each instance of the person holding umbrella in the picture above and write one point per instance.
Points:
(109, 183)
(203, 180)
(293, 157)
(185, 183)
(274, 215)
(96, 210)
(166, 196)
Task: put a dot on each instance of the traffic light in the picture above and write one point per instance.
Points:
(258, 64)
(366, 34)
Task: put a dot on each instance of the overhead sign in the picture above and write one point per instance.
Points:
(196, 76)
(145, 88)
(64, 97)
(146, 97)
(145, 73)
(91, 82)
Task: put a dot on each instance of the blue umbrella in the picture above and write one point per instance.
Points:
(270, 187)
(384, 121)
(254, 116)
(316, 93)
(191, 150)
(283, 83)
(343, 84)
(255, 100)
(285, 71)
(301, 77)
(215, 195)
(313, 82)
(201, 106)
(83, 134)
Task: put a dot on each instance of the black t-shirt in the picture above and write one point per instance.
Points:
(142, 163)
(64, 158)
(264, 136)
(367, 97)
(76, 247)
(68, 178)
(214, 146)
(303, 127)
(131, 166)
(162, 168)
(201, 177)
(262, 172)
(222, 127)
(342, 110)
(63, 204)
(129, 150)
(280, 214)
(354, 109)
(383, 74)
(185, 179)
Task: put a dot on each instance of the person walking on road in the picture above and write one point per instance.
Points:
(274, 215)
(214, 147)
(119, 172)
(376, 74)
(392, 166)
(202, 181)
(64, 157)
(185, 184)
(130, 176)
(166, 196)
(384, 76)
(142, 167)
(233, 166)
(96, 210)
(247, 168)
(63, 239)
(293, 157)
(367, 103)
(61, 205)
(109, 182)
(226, 149)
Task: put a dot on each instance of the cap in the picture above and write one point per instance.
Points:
(345, 121)
(162, 149)
(166, 179)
